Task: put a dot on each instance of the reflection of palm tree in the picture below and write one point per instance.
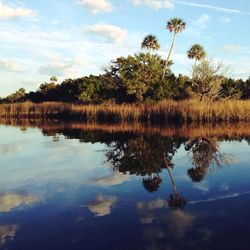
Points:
(152, 184)
(175, 200)
(205, 153)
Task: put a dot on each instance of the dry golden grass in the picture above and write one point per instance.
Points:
(162, 112)
(225, 130)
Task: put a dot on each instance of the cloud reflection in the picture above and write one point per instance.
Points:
(101, 205)
(7, 233)
(10, 201)
(114, 178)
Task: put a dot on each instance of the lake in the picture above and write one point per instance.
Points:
(88, 186)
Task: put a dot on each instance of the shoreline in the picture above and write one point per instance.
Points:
(165, 112)
(53, 127)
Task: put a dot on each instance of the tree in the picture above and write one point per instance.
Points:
(18, 96)
(53, 79)
(151, 43)
(175, 25)
(139, 75)
(196, 52)
(208, 77)
(48, 91)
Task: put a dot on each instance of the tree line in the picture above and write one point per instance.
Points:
(144, 77)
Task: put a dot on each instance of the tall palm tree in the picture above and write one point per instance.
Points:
(151, 43)
(175, 25)
(196, 52)
(175, 200)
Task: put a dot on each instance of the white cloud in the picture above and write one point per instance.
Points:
(241, 67)
(202, 21)
(61, 66)
(96, 6)
(231, 48)
(155, 4)
(101, 205)
(11, 65)
(110, 32)
(68, 44)
(7, 12)
(213, 7)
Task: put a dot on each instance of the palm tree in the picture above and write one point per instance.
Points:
(175, 25)
(196, 52)
(175, 200)
(150, 42)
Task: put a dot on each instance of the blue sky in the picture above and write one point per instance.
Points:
(73, 38)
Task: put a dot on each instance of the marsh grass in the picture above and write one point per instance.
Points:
(160, 113)
(223, 130)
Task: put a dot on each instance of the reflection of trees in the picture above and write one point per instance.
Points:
(142, 155)
(152, 183)
(146, 156)
(205, 153)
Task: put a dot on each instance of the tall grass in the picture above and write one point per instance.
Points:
(224, 130)
(162, 112)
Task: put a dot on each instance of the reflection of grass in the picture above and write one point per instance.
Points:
(162, 112)
(223, 131)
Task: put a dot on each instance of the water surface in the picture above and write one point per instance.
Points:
(76, 186)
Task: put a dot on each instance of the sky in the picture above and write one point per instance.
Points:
(74, 38)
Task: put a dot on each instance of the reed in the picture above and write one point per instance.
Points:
(162, 112)
(224, 131)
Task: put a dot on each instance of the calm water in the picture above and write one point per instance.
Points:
(72, 188)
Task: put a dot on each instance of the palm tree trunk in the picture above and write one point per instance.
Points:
(195, 63)
(171, 176)
(169, 54)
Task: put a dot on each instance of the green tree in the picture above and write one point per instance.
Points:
(53, 79)
(139, 75)
(151, 43)
(175, 25)
(18, 96)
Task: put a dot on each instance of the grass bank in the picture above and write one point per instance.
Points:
(160, 113)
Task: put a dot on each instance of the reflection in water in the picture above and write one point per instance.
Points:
(101, 205)
(205, 154)
(152, 183)
(10, 201)
(7, 233)
(114, 178)
(145, 155)
(157, 158)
